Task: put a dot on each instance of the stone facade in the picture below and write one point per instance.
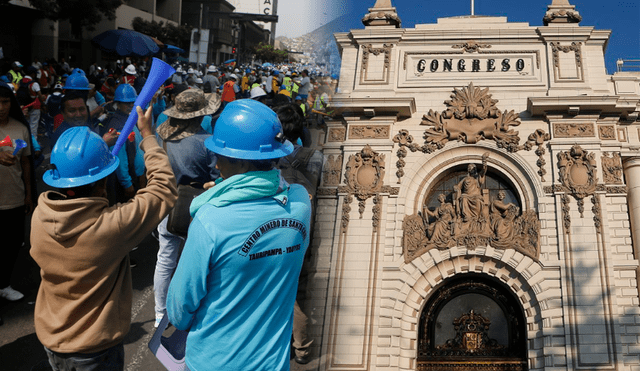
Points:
(539, 241)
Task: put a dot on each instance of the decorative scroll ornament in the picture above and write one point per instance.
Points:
(471, 116)
(471, 46)
(404, 139)
(562, 16)
(381, 19)
(612, 168)
(472, 220)
(382, 14)
(364, 177)
(472, 337)
(537, 138)
(368, 49)
(578, 173)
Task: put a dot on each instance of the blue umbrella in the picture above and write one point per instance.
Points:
(172, 49)
(267, 64)
(229, 61)
(126, 43)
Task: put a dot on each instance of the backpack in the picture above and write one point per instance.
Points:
(207, 87)
(24, 92)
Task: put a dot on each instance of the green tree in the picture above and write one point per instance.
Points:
(267, 53)
(179, 36)
(80, 13)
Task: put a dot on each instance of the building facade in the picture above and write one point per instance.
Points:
(26, 34)
(480, 201)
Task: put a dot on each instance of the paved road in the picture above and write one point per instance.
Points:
(20, 349)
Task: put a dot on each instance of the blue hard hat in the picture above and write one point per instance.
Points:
(247, 71)
(77, 81)
(248, 130)
(4, 78)
(276, 73)
(125, 93)
(80, 157)
(78, 70)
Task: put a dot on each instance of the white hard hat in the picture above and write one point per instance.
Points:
(190, 70)
(212, 68)
(131, 70)
(198, 81)
(257, 92)
(179, 70)
(236, 71)
(233, 76)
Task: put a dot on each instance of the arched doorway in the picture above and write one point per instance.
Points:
(472, 322)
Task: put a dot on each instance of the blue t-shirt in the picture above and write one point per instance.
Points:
(236, 283)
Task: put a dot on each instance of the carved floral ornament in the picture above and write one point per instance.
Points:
(472, 220)
(471, 46)
(562, 16)
(369, 49)
(471, 116)
(390, 18)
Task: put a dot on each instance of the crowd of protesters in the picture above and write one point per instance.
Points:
(98, 206)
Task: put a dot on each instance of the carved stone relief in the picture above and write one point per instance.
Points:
(367, 50)
(369, 132)
(537, 138)
(612, 168)
(471, 116)
(597, 214)
(337, 134)
(566, 217)
(472, 220)
(471, 46)
(364, 176)
(607, 132)
(578, 173)
(381, 18)
(332, 170)
(574, 47)
(562, 16)
(573, 130)
(404, 139)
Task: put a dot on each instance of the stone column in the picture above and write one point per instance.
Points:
(631, 167)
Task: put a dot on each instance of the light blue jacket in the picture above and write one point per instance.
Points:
(236, 282)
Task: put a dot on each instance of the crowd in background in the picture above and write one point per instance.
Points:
(51, 99)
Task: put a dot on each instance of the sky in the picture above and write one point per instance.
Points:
(622, 17)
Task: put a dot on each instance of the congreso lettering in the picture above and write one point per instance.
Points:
(470, 65)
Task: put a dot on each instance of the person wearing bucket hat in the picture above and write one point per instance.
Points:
(240, 282)
(82, 245)
(183, 136)
(130, 172)
(17, 182)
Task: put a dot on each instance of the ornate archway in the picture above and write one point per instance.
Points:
(472, 322)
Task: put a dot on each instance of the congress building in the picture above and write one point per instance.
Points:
(480, 201)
